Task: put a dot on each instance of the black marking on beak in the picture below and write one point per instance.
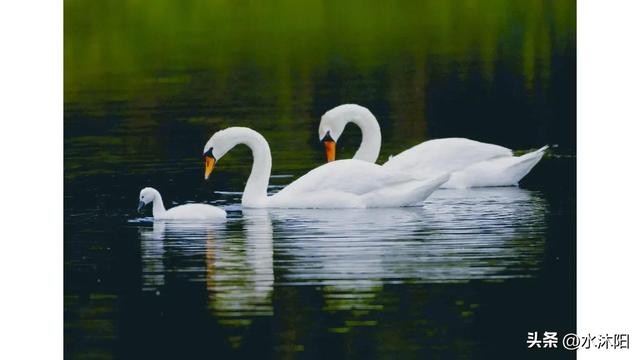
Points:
(327, 137)
(141, 205)
(210, 153)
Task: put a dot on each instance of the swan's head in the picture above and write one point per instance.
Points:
(218, 145)
(332, 125)
(147, 195)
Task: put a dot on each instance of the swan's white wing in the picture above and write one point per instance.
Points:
(502, 171)
(346, 176)
(355, 184)
(445, 155)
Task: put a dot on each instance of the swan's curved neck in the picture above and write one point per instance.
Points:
(255, 191)
(158, 205)
(371, 136)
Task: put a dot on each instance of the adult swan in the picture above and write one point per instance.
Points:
(470, 163)
(339, 184)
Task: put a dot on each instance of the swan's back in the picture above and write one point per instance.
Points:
(194, 212)
(348, 176)
(355, 184)
(446, 155)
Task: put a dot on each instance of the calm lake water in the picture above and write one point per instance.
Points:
(466, 276)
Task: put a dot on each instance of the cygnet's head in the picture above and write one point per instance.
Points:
(147, 196)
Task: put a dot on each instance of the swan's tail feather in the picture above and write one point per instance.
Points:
(525, 163)
(504, 171)
(534, 154)
(406, 194)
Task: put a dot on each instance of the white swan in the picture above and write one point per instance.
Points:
(182, 212)
(339, 184)
(471, 163)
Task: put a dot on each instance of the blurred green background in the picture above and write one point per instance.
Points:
(494, 70)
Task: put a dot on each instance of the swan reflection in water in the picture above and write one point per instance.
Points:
(240, 269)
(459, 235)
(237, 267)
(488, 234)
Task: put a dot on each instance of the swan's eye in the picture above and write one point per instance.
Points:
(141, 197)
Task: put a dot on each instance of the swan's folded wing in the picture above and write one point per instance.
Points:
(503, 171)
(195, 212)
(445, 155)
(348, 176)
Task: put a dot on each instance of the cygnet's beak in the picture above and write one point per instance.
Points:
(209, 164)
(141, 205)
(330, 147)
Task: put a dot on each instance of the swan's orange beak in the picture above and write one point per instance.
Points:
(330, 147)
(209, 164)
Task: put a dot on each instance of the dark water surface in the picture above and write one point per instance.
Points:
(466, 276)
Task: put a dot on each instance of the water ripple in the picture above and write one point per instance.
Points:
(457, 236)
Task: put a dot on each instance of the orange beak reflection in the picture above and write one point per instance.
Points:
(330, 146)
(209, 164)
